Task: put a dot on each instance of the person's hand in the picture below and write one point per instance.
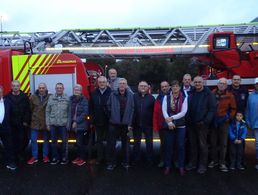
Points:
(25, 124)
(171, 126)
(74, 125)
(130, 128)
(48, 128)
(168, 120)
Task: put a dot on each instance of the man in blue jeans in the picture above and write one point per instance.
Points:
(58, 121)
(38, 103)
(252, 115)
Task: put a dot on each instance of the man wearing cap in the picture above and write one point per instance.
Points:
(252, 115)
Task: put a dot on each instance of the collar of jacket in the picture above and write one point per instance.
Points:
(37, 93)
(62, 96)
(117, 93)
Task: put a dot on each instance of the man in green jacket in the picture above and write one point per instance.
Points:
(58, 120)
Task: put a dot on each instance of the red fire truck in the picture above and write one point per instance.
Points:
(31, 70)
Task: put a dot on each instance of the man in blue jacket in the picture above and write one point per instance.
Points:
(201, 109)
(121, 109)
(252, 115)
(143, 115)
(5, 131)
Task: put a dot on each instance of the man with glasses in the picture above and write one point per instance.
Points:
(226, 110)
(99, 113)
(201, 110)
(143, 115)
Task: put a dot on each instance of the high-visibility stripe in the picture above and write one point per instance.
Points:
(42, 65)
(26, 80)
(27, 88)
(52, 57)
(54, 60)
(16, 64)
(26, 77)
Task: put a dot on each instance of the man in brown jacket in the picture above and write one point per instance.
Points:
(38, 103)
(226, 110)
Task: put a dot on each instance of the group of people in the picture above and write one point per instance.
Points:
(188, 117)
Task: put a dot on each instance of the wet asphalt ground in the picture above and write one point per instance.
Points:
(95, 179)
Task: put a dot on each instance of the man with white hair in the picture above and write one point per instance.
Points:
(99, 113)
(226, 110)
(20, 120)
(121, 109)
(38, 103)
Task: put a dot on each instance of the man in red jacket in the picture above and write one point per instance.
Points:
(158, 119)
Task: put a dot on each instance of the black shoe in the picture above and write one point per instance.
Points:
(202, 169)
(110, 167)
(11, 166)
(64, 161)
(213, 164)
(240, 167)
(54, 161)
(125, 165)
(232, 167)
(223, 168)
(190, 167)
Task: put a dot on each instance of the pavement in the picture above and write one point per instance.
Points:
(95, 179)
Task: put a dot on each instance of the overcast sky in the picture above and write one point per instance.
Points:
(55, 15)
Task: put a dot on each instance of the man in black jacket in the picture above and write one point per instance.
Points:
(143, 116)
(201, 110)
(20, 118)
(240, 93)
(5, 131)
(99, 114)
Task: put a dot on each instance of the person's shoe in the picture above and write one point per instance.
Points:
(11, 166)
(166, 170)
(46, 159)
(110, 167)
(232, 167)
(223, 168)
(182, 171)
(80, 162)
(125, 165)
(201, 170)
(190, 167)
(32, 161)
(161, 164)
(240, 167)
(64, 161)
(213, 164)
(75, 161)
(54, 161)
